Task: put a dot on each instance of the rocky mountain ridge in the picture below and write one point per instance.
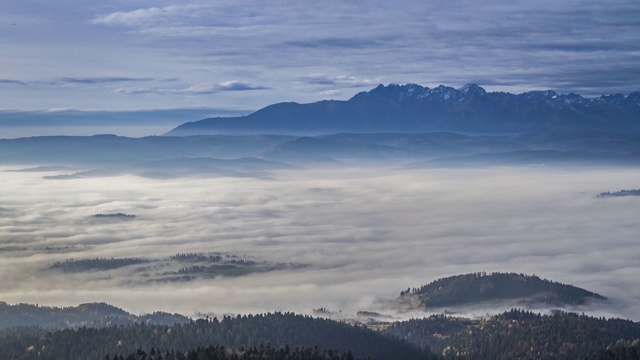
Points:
(414, 108)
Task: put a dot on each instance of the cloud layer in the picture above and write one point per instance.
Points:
(304, 52)
(367, 234)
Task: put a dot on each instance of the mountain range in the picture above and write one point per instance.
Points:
(406, 126)
(413, 108)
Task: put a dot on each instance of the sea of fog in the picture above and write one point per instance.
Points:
(363, 234)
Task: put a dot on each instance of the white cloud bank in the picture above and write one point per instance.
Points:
(368, 234)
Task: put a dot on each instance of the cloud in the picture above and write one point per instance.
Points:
(435, 43)
(149, 16)
(12, 82)
(60, 110)
(339, 81)
(350, 43)
(98, 80)
(514, 46)
(328, 86)
(367, 234)
(331, 93)
(232, 85)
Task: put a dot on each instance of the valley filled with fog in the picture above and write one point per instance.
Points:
(346, 239)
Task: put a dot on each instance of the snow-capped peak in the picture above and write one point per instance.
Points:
(472, 89)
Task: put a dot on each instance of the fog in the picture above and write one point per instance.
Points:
(365, 234)
(14, 132)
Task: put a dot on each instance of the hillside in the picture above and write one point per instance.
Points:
(510, 335)
(90, 314)
(479, 287)
(518, 335)
(413, 108)
(277, 330)
(257, 352)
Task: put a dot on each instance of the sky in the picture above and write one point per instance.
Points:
(244, 55)
(364, 234)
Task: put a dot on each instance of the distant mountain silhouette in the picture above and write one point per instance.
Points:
(72, 157)
(413, 108)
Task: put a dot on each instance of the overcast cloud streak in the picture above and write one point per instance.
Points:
(587, 46)
(12, 82)
(232, 85)
(98, 80)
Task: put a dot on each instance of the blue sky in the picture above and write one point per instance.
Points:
(243, 55)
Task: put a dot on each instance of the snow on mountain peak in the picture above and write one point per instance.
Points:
(472, 89)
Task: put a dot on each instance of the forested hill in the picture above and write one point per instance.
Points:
(480, 287)
(625, 352)
(263, 352)
(90, 314)
(277, 330)
(521, 335)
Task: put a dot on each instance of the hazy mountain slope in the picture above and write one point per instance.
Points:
(111, 148)
(588, 141)
(530, 157)
(432, 144)
(239, 155)
(159, 157)
(413, 108)
(321, 150)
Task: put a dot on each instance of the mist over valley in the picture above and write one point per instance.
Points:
(346, 239)
(405, 222)
(332, 224)
(335, 180)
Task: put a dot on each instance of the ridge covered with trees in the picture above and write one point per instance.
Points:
(179, 267)
(631, 192)
(90, 314)
(479, 287)
(95, 264)
(277, 329)
(115, 215)
(518, 334)
(101, 331)
(257, 352)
